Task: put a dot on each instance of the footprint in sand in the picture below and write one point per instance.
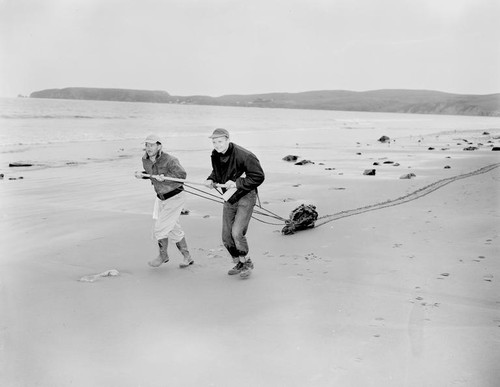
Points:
(488, 278)
(379, 322)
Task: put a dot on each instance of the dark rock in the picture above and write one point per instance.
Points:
(376, 163)
(369, 172)
(485, 133)
(304, 162)
(471, 148)
(431, 148)
(384, 139)
(388, 162)
(19, 164)
(408, 176)
(496, 148)
(291, 158)
(447, 167)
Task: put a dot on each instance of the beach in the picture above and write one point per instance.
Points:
(405, 293)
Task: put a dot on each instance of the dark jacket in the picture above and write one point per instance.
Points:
(167, 165)
(232, 165)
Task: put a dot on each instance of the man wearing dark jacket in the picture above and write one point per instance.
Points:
(236, 168)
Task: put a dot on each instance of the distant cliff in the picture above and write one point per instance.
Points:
(391, 101)
(125, 95)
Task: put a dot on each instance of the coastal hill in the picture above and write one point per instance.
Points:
(98, 94)
(390, 101)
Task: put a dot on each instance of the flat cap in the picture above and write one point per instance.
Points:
(153, 139)
(219, 132)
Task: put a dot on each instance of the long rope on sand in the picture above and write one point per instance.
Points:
(404, 199)
(261, 211)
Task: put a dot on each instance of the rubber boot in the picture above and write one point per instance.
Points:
(163, 254)
(183, 248)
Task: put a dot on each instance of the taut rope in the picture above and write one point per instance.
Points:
(261, 211)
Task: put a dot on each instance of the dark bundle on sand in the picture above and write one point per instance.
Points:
(303, 217)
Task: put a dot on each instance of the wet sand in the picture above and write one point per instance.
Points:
(405, 294)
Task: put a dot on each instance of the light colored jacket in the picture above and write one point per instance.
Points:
(167, 165)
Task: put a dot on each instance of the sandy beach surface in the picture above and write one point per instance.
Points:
(399, 293)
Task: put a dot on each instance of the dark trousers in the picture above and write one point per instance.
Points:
(235, 220)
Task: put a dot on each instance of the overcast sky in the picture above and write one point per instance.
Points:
(217, 47)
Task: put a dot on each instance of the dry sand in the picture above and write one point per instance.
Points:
(406, 295)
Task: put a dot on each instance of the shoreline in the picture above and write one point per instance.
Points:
(405, 295)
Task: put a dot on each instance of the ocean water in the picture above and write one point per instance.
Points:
(92, 148)
(25, 122)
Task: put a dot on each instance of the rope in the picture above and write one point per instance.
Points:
(262, 221)
(357, 211)
(203, 197)
(272, 214)
(403, 199)
(205, 193)
(218, 199)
